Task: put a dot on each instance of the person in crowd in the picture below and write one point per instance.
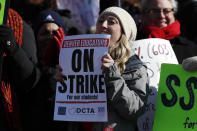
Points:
(29, 9)
(126, 76)
(45, 26)
(71, 25)
(49, 31)
(158, 21)
(133, 7)
(19, 71)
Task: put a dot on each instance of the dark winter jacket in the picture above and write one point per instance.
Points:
(183, 48)
(40, 102)
(22, 73)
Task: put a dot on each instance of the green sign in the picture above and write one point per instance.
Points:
(2, 10)
(176, 108)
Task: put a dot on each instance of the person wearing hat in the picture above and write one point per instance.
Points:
(29, 9)
(49, 32)
(126, 76)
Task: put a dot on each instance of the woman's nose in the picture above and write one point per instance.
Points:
(104, 24)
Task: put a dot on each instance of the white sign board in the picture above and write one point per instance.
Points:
(82, 95)
(153, 52)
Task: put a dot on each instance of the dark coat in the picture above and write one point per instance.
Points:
(23, 73)
(40, 102)
(183, 48)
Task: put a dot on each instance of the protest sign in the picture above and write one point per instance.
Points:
(82, 95)
(4, 7)
(153, 52)
(176, 106)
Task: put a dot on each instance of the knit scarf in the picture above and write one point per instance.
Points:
(168, 32)
(10, 103)
(16, 24)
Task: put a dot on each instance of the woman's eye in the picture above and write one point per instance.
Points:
(111, 22)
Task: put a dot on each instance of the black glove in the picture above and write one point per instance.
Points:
(8, 42)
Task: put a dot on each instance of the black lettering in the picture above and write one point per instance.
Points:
(83, 110)
(71, 77)
(101, 83)
(189, 83)
(164, 99)
(79, 83)
(189, 124)
(185, 124)
(63, 88)
(92, 110)
(78, 110)
(88, 60)
(76, 97)
(87, 83)
(93, 85)
(76, 60)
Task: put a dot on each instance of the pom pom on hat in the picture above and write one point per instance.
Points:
(127, 22)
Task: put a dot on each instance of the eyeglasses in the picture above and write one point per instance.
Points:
(165, 11)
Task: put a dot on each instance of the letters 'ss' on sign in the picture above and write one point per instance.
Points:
(176, 101)
(4, 7)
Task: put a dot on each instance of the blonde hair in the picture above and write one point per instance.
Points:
(120, 52)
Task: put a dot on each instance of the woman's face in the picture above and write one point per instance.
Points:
(109, 24)
(159, 13)
(45, 34)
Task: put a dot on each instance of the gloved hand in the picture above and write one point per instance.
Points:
(51, 54)
(59, 36)
(190, 64)
(8, 42)
(23, 65)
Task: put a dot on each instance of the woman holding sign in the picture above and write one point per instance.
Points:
(125, 75)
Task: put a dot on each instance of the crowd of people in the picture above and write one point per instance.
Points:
(30, 43)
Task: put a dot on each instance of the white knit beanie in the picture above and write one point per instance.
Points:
(127, 22)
